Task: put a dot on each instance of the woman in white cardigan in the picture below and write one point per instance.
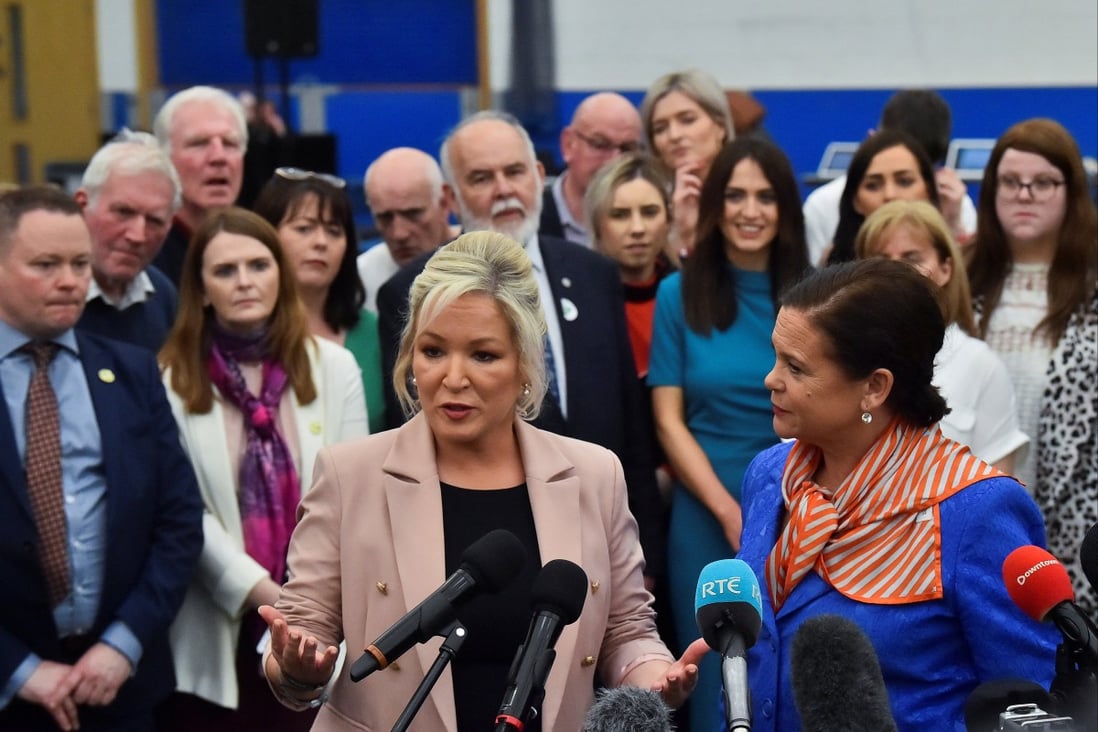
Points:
(255, 397)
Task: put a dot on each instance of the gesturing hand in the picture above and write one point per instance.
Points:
(298, 655)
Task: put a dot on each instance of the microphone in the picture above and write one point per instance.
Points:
(1040, 586)
(1088, 556)
(556, 599)
(628, 709)
(991, 698)
(728, 609)
(488, 564)
(836, 678)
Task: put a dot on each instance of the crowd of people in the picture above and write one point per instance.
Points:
(238, 446)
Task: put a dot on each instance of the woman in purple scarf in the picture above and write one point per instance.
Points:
(255, 397)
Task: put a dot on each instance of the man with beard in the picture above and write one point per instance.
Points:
(205, 133)
(594, 394)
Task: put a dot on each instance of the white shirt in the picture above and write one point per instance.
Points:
(1021, 307)
(375, 266)
(138, 290)
(977, 387)
(548, 307)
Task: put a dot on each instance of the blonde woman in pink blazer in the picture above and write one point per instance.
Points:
(388, 516)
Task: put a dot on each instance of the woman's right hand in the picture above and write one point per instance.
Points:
(731, 520)
(297, 654)
(684, 206)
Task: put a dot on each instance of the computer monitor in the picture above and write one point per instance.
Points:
(836, 159)
(969, 157)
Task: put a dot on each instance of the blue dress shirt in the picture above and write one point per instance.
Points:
(84, 487)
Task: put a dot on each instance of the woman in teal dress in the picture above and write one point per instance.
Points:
(316, 226)
(710, 352)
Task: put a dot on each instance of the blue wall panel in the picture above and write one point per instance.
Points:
(360, 42)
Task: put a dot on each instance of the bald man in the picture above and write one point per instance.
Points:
(411, 205)
(604, 126)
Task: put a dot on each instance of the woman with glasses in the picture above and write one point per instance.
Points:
(315, 223)
(1032, 269)
(256, 398)
(686, 121)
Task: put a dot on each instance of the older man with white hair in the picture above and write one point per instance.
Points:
(129, 193)
(205, 132)
(411, 206)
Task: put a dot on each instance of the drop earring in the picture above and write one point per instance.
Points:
(867, 417)
(526, 390)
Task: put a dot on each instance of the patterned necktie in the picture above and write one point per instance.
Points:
(551, 371)
(43, 466)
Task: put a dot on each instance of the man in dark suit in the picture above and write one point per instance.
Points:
(594, 395)
(100, 515)
(604, 126)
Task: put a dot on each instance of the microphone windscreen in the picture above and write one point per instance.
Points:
(836, 678)
(494, 559)
(728, 595)
(991, 698)
(1036, 581)
(1088, 556)
(561, 588)
(628, 709)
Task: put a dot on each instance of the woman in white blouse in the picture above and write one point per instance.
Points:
(256, 397)
(975, 383)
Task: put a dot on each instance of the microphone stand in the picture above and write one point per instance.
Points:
(455, 636)
(734, 672)
(1075, 686)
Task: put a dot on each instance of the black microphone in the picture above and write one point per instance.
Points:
(1088, 556)
(991, 698)
(728, 611)
(836, 677)
(488, 564)
(557, 600)
(628, 709)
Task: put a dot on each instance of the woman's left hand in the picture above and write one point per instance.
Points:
(681, 677)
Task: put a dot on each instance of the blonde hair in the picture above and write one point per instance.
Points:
(699, 86)
(923, 218)
(483, 263)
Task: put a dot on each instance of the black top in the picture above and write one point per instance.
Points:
(497, 623)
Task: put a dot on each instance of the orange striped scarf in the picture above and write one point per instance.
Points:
(877, 537)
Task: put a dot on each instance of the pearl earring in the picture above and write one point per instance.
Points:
(867, 417)
(526, 390)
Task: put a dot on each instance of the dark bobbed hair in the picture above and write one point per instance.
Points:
(188, 346)
(849, 219)
(924, 115)
(708, 287)
(879, 314)
(281, 199)
(1071, 276)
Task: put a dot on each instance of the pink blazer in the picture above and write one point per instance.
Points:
(369, 548)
